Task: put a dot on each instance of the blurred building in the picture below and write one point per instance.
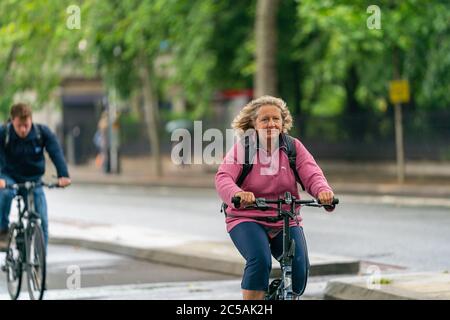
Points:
(82, 102)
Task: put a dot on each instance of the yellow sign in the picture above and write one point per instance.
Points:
(399, 91)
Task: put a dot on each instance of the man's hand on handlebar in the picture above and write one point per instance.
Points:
(247, 198)
(2, 183)
(64, 182)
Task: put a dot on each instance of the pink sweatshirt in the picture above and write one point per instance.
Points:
(268, 179)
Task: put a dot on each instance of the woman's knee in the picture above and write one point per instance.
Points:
(261, 262)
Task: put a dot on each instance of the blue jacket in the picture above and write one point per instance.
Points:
(24, 160)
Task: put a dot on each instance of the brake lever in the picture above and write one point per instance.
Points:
(261, 204)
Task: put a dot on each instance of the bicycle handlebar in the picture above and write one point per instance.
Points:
(30, 185)
(261, 203)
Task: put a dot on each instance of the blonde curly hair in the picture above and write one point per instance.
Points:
(245, 120)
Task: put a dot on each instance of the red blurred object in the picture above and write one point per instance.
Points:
(233, 93)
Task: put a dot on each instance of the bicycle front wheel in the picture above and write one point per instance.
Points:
(13, 261)
(36, 262)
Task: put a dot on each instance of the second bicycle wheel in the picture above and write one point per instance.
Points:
(36, 268)
(13, 261)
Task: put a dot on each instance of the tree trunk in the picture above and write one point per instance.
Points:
(265, 80)
(151, 113)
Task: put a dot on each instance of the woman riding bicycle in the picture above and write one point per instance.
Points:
(265, 122)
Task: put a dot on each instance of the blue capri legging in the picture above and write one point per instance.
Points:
(254, 244)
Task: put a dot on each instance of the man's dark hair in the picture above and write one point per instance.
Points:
(21, 110)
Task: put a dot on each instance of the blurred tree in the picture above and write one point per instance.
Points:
(328, 61)
(190, 32)
(31, 38)
(355, 65)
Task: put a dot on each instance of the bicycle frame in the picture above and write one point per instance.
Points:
(288, 251)
(28, 212)
(27, 217)
(29, 206)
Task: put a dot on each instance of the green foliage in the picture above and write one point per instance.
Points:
(413, 28)
(382, 281)
(31, 35)
(190, 31)
(329, 62)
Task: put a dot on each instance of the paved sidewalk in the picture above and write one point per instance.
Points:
(402, 286)
(175, 249)
(429, 181)
(193, 251)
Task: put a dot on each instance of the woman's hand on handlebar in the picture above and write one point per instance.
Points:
(326, 197)
(247, 198)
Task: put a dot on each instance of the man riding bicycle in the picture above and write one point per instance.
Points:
(22, 159)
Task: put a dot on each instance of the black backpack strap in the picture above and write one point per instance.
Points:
(249, 153)
(38, 129)
(291, 152)
(7, 128)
